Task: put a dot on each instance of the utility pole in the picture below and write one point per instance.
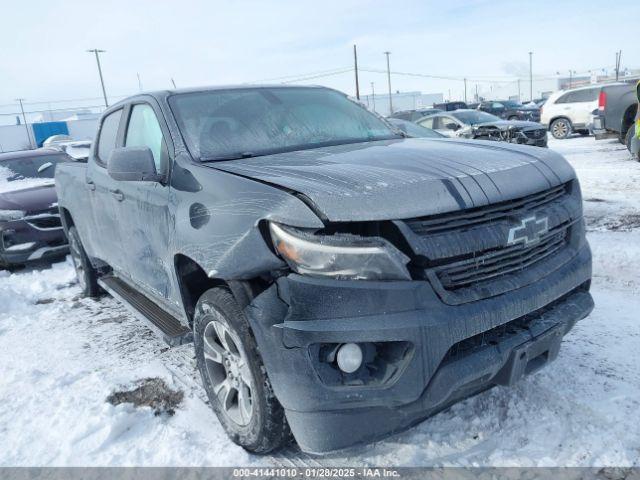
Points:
(24, 120)
(531, 76)
(477, 97)
(571, 72)
(519, 97)
(139, 82)
(373, 96)
(173, 83)
(465, 90)
(618, 60)
(389, 83)
(355, 68)
(104, 92)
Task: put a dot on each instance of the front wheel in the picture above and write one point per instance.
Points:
(87, 275)
(234, 376)
(560, 128)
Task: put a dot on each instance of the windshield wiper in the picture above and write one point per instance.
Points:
(231, 156)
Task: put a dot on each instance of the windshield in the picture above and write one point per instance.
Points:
(22, 168)
(471, 117)
(239, 123)
(512, 104)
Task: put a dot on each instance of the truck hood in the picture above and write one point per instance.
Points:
(32, 199)
(398, 179)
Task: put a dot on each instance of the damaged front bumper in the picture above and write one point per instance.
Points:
(421, 355)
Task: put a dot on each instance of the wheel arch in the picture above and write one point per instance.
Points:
(193, 281)
(627, 119)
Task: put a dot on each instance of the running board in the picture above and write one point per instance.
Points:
(162, 322)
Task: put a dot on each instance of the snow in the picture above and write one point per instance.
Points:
(61, 356)
(20, 184)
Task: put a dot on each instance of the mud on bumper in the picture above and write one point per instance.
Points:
(420, 354)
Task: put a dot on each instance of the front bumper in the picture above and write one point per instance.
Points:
(435, 371)
(30, 239)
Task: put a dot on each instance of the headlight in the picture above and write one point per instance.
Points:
(7, 215)
(339, 256)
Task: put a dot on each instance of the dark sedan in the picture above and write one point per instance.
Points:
(511, 110)
(484, 126)
(30, 227)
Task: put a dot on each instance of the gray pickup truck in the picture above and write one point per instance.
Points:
(339, 281)
(617, 108)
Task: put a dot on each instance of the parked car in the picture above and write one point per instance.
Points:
(568, 111)
(414, 115)
(413, 130)
(30, 227)
(617, 107)
(338, 280)
(76, 149)
(450, 106)
(480, 125)
(510, 110)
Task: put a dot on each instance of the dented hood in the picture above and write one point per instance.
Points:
(398, 179)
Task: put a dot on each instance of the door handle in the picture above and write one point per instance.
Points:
(90, 185)
(117, 194)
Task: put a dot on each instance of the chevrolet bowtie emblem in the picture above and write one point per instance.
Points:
(529, 231)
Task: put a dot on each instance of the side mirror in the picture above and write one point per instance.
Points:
(452, 126)
(132, 164)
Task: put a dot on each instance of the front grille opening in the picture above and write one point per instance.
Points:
(490, 213)
(52, 221)
(382, 363)
(487, 265)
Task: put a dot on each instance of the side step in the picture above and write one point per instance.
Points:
(163, 323)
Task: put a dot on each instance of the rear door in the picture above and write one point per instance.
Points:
(98, 227)
(144, 219)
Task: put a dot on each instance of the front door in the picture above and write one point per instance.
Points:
(144, 220)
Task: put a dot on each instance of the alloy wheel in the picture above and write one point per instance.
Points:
(560, 129)
(228, 372)
(76, 257)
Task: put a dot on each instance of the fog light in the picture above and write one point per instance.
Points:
(349, 357)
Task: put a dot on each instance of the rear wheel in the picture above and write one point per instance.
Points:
(87, 275)
(234, 376)
(560, 128)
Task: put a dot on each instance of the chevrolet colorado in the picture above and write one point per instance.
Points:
(339, 281)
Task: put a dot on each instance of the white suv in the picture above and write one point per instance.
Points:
(569, 111)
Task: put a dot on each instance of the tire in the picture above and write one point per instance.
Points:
(87, 275)
(560, 128)
(628, 140)
(234, 376)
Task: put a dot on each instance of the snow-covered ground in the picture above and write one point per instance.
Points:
(61, 356)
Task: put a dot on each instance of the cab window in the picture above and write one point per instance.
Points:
(108, 135)
(144, 131)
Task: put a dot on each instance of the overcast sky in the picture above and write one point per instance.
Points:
(205, 42)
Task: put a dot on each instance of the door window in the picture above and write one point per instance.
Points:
(108, 134)
(428, 122)
(144, 131)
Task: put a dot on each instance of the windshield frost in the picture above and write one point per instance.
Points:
(223, 124)
(472, 117)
